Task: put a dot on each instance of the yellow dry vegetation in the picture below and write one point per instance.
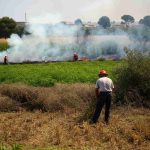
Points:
(129, 127)
(3, 41)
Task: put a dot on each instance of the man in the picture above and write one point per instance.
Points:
(75, 56)
(5, 60)
(104, 87)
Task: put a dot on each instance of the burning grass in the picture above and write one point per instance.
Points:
(54, 124)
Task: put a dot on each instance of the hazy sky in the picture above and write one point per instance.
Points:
(87, 10)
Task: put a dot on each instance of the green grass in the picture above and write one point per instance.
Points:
(61, 72)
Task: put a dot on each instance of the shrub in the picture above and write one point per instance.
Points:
(133, 79)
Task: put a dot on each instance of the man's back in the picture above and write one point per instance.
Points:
(104, 84)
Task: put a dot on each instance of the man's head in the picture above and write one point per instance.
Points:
(102, 73)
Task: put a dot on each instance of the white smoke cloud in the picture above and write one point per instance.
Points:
(52, 40)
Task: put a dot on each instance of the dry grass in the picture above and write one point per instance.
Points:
(52, 99)
(3, 44)
(3, 41)
(127, 130)
(129, 127)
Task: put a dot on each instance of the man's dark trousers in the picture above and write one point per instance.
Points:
(103, 99)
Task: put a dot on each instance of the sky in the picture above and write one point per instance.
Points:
(69, 10)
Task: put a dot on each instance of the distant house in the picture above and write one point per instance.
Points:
(90, 25)
(21, 24)
(117, 25)
(68, 23)
(122, 24)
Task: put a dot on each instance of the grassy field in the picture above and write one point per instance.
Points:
(3, 44)
(50, 73)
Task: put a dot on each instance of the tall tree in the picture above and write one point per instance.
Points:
(78, 22)
(145, 21)
(7, 27)
(104, 21)
(127, 19)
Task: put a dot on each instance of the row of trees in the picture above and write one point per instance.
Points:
(104, 21)
(9, 26)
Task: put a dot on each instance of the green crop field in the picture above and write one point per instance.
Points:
(49, 73)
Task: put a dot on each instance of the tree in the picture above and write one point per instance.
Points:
(20, 30)
(78, 22)
(104, 21)
(127, 19)
(145, 21)
(7, 27)
(141, 21)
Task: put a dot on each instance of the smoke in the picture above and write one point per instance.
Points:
(51, 40)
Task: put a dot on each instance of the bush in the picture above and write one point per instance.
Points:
(133, 79)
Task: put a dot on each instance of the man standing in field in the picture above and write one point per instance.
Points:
(75, 56)
(5, 60)
(104, 87)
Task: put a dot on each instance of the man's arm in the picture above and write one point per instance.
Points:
(96, 92)
(112, 86)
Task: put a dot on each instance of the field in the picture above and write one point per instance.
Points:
(3, 44)
(48, 106)
(61, 72)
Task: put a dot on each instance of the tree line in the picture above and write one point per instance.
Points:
(9, 25)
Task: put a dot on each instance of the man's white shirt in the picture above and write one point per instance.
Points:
(104, 84)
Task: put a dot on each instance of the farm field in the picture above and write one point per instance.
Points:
(47, 106)
(3, 44)
(50, 119)
(46, 74)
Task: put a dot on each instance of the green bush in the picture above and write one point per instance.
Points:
(133, 78)
(3, 46)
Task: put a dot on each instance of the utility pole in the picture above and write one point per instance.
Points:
(25, 17)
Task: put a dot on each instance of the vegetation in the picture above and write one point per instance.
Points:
(129, 129)
(78, 22)
(133, 79)
(141, 34)
(55, 118)
(7, 27)
(145, 21)
(127, 19)
(14, 147)
(3, 44)
(49, 73)
(21, 97)
(104, 21)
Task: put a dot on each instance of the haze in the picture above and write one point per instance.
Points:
(87, 10)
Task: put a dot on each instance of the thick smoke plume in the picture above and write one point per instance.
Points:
(55, 41)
